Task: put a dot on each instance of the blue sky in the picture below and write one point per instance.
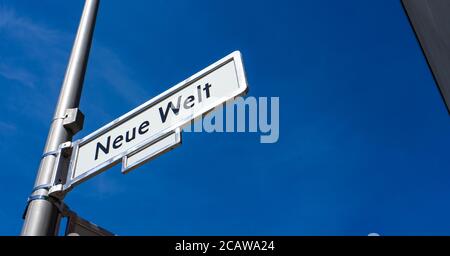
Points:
(364, 134)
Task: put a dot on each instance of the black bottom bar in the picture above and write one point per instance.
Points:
(226, 245)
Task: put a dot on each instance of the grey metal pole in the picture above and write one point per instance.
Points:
(42, 216)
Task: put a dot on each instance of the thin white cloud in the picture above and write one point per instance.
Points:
(32, 56)
(18, 74)
(38, 62)
(114, 72)
(48, 50)
(23, 28)
(6, 127)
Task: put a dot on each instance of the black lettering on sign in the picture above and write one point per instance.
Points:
(121, 140)
(189, 102)
(174, 110)
(206, 89)
(103, 148)
(127, 137)
(117, 142)
(143, 128)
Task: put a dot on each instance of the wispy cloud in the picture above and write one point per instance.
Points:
(27, 42)
(40, 61)
(114, 72)
(35, 56)
(24, 29)
(18, 74)
(6, 127)
(7, 130)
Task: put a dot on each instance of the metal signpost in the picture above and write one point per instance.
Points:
(42, 214)
(133, 139)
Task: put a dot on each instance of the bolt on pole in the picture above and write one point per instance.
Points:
(42, 215)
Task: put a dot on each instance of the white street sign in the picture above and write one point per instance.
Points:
(136, 136)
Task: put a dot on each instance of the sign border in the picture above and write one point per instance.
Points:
(176, 135)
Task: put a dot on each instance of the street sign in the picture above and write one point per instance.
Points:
(150, 129)
(77, 226)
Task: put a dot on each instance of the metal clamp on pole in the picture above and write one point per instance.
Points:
(50, 153)
(61, 165)
(62, 208)
(43, 186)
(62, 156)
(73, 120)
(60, 205)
